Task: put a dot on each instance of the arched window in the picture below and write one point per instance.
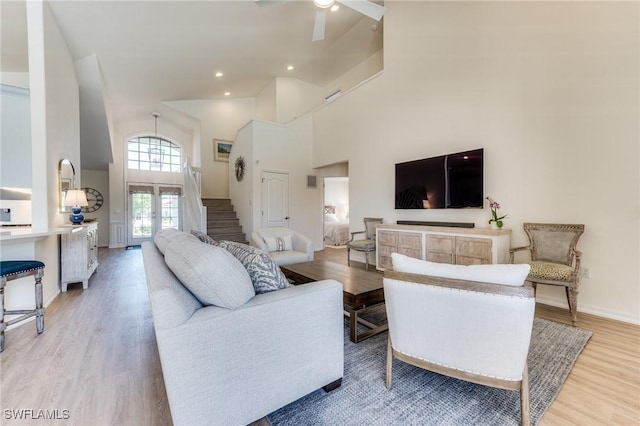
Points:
(153, 153)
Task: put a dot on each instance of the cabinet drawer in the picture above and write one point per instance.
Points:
(410, 241)
(386, 250)
(441, 244)
(477, 248)
(388, 238)
(417, 254)
(385, 262)
(440, 257)
(464, 260)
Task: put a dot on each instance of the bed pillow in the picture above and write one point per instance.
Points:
(211, 273)
(513, 275)
(331, 217)
(282, 243)
(264, 272)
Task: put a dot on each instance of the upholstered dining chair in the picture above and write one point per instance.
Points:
(368, 243)
(554, 258)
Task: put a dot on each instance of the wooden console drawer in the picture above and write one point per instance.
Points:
(473, 251)
(388, 238)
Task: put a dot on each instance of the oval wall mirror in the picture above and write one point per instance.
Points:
(66, 181)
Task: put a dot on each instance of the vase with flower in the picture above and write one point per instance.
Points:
(495, 221)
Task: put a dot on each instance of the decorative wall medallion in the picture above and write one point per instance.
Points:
(94, 198)
(240, 168)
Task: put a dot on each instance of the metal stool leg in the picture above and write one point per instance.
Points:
(3, 326)
(39, 308)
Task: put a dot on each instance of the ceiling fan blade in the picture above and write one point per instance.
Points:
(318, 28)
(372, 10)
(269, 3)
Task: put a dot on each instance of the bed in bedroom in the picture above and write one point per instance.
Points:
(336, 231)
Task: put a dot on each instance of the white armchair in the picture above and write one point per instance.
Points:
(474, 331)
(285, 245)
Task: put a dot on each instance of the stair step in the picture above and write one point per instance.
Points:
(216, 202)
(238, 237)
(222, 230)
(222, 222)
(217, 208)
(220, 215)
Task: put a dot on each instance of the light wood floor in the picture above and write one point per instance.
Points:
(97, 358)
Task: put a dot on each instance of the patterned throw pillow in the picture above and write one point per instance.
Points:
(279, 243)
(265, 274)
(204, 238)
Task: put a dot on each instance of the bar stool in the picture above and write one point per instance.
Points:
(11, 270)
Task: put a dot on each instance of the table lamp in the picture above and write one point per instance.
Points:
(76, 199)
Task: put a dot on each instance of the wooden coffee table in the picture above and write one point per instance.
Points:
(361, 290)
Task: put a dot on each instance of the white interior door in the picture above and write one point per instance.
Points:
(275, 199)
(152, 207)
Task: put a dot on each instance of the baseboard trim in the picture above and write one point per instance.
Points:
(588, 309)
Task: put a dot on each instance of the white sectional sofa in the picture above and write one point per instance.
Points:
(233, 366)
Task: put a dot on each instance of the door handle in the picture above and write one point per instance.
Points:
(287, 218)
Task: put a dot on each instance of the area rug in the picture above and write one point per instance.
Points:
(420, 397)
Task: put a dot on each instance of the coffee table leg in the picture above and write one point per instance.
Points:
(353, 326)
(353, 320)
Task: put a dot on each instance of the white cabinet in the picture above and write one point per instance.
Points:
(78, 255)
(460, 246)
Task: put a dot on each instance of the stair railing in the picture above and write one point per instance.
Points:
(195, 213)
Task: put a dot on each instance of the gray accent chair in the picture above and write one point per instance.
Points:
(366, 245)
(554, 258)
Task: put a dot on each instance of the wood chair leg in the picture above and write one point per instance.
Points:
(366, 260)
(389, 364)
(348, 256)
(524, 398)
(572, 299)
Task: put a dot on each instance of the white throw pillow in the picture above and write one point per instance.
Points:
(211, 273)
(513, 275)
(282, 243)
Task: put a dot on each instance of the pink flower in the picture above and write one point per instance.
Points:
(494, 206)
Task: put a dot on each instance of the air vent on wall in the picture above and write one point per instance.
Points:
(312, 181)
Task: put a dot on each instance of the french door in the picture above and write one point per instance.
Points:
(152, 207)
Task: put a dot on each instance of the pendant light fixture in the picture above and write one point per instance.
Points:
(156, 154)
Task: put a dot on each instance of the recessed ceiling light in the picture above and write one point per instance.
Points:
(227, 93)
(290, 68)
(335, 7)
(219, 74)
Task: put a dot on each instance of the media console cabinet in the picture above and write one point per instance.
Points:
(460, 246)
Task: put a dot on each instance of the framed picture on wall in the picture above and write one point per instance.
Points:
(221, 150)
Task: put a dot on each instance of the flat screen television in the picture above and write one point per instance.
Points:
(452, 181)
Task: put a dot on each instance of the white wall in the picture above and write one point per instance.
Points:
(267, 103)
(364, 70)
(15, 145)
(99, 180)
(55, 134)
(119, 174)
(296, 98)
(549, 89)
(275, 147)
(219, 119)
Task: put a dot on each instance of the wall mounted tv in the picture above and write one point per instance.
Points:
(452, 181)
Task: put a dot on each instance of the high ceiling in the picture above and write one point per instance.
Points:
(154, 51)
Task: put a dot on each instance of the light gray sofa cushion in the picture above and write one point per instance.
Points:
(264, 271)
(163, 236)
(211, 273)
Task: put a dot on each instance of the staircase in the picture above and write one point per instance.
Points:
(222, 223)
